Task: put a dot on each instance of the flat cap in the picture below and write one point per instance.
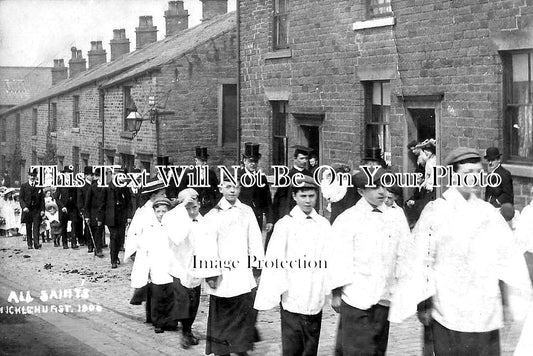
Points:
(362, 179)
(460, 154)
(161, 201)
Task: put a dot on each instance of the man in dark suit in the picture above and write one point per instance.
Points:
(93, 213)
(32, 204)
(81, 195)
(117, 207)
(503, 193)
(283, 202)
(256, 197)
(66, 198)
(209, 196)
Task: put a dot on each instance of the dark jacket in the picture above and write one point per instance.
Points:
(116, 205)
(31, 198)
(258, 198)
(81, 195)
(283, 202)
(67, 197)
(504, 192)
(93, 209)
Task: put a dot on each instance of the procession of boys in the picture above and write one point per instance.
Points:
(457, 261)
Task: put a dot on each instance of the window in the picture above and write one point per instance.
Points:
(84, 160)
(128, 106)
(76, 159)
(281, 24)
(17, 126)
(229, 114)
(76, 111)
(53, 117)
(379, 8)
(279, 132)
(34, 122)
(60, 161)
(146, 166)
(377, 111)
(518, 70)
(3, 130)
(128, 161)
(110, 160)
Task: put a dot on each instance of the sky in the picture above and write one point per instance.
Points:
(35, 32)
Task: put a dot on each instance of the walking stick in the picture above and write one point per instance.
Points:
(92, 238)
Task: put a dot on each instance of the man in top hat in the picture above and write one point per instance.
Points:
(67, 196)
(81, 195)
(300, 235)
(461, 248)
(32, 204)
(362, 267)
(283, 202)
(373, 156)
(116, 203)
(207, 196)
(256, 197)
(93, 214)
(503, 193)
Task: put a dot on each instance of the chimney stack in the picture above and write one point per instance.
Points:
(77, 63)
(176, 18)
(212, 8)
(97, 55)
(119, 44)
(59, 71)
(146, 32)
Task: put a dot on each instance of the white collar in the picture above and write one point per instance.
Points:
(298, 168)
(224, 205)
(364, 205)
(298, 213)
(452, 195)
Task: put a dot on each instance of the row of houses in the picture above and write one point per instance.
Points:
(335, 75)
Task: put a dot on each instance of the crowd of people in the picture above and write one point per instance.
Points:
(454, 261)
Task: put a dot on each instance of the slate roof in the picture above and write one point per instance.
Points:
(143, 60)
(18, 84)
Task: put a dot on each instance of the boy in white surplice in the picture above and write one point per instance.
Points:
(298, 246)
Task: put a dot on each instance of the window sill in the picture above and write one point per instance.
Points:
(282, 53)
(520, 170)
(374, 23)
(127, 135)
(53, 134)
(75, 130)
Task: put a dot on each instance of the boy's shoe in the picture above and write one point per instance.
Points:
(114, 265)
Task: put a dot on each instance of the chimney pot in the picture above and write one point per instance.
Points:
(146, 32)
(77, 64)
(97, 55)
(119, 44)
(176, 18)
(59, 71)
(212, 8)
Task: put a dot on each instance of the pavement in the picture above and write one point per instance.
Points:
(79, 305)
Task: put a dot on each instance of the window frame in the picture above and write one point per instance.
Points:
(371, 5)
(76, 111)
(369, 115)
(277, 16)
(76, 158)
(509, 105)
(280, 113)
(34, 118)
(53, 117)
(128, 106)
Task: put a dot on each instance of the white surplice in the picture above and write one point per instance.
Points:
(189, 239)
(460, 250)
(147, 238)
(303, 237)
(238, 238)
(364, 249)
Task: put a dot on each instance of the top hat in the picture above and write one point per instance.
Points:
(67, 169)
(201, 153)
(251, 150)
(32, 172)
(492, 153)
(163, 161)
(373, 154)
(87, 170)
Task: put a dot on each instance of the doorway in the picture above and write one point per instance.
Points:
(311, 138)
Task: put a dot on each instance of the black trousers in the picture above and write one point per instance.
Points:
(454, 343)
(300, 333)
(96, 235)
(73, 227)
(362, 332)
(33, 221)
(187, 302)
(116, 240)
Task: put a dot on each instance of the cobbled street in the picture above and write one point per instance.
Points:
(118, 328)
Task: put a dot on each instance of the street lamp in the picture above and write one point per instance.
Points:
(134, 120)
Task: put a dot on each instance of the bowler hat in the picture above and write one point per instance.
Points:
(460, 154)
(251, 150)
(363, 180)
(492, 153)
(201, 153)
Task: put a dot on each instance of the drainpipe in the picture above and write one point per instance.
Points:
(102, 120)
(239, 129)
